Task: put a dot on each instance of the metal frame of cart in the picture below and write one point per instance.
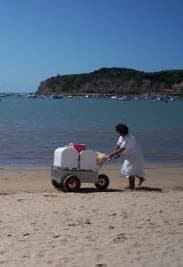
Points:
(69, 180)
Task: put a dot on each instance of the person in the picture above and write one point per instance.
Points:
(133, 165)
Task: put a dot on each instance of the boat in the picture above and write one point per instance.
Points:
(56, 96)
(32, 95)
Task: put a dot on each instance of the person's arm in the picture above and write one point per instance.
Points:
(116, 148)
(117, 152)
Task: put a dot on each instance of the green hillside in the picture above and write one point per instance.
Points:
(114, 81)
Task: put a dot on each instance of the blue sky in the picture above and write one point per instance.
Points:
(41, 38)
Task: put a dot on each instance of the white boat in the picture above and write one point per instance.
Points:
(32, 95)
(125, 98)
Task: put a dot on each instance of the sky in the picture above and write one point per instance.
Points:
(43, 38)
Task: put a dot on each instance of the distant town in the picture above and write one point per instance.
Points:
(154, 97)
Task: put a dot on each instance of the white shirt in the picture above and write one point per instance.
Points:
(128, 142)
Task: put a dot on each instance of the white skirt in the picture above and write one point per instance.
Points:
(133, 165)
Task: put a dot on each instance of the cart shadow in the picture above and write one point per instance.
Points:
(147, 188)
(95, 190)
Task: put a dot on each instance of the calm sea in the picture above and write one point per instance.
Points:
(30, 129)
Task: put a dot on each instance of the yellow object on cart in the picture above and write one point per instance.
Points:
(101, 158)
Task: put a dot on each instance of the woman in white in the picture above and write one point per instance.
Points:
(133, 165)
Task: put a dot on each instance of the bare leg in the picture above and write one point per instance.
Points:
(131, 180)
(141, 179)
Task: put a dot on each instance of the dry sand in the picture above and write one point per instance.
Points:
(40, 226)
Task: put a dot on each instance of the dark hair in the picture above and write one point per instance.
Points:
(122, 129)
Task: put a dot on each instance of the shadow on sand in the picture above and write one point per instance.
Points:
(141, 188)
(147, 188)
(88, 190)
(95, 190)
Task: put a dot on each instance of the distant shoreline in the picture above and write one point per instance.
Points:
(153, 95)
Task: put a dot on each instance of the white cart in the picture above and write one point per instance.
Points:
(69, 179)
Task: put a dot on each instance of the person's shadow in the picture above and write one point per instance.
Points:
(148, 188)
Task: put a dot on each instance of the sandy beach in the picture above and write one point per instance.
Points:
(40, 226)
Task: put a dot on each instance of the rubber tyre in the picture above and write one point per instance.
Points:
(103, 182)
(71, 183)
(57, 185)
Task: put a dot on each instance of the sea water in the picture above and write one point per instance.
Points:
(31, 129)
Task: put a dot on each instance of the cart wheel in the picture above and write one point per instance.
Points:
(71, 183)
(56, 184)
(103, 182)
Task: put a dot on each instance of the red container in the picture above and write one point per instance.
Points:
(78, 147)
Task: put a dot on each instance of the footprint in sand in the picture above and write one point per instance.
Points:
(26, 234)
(99, 257)
(120, 237)
(20, 200)
(101, 265)
(56, 236)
